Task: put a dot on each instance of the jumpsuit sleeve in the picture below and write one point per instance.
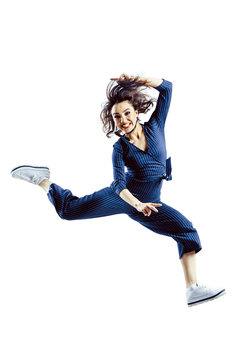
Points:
(118, 168)
(163, 103)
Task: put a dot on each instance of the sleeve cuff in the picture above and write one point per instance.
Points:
(119, 188)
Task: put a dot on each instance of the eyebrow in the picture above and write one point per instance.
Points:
(123, 111)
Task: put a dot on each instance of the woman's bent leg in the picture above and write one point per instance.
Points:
(188, 261)
(171, 222)
(104, 202)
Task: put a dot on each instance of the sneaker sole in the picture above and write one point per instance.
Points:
(31, 167)
(207, 299)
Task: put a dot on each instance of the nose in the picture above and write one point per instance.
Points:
(123, 119)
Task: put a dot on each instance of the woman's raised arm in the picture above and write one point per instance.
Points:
(163, 103)
(164, 98)
(153, 82)
(147, 81)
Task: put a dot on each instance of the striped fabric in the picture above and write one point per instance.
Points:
(144, 165)
(144, 177)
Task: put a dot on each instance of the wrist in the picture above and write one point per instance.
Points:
(153, 82)
(137, 204)
(146, 81)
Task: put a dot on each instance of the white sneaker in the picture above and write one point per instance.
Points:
(32, 174)
(199, 293)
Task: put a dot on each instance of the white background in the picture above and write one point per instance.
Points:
(108, 288)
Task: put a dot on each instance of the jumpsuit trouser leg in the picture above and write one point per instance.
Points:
(105, 202)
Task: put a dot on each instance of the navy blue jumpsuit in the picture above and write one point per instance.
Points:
(145, 173)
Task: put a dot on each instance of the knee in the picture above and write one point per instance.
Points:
(191, 243)
(64, 217)
(64, 214)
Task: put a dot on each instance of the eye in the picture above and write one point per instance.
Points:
(128, 112)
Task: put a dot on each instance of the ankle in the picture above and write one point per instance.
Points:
(45, 184)
(190, 283)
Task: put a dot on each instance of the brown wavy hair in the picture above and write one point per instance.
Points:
(127, 89)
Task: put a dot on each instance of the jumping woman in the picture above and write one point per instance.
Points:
(136, 193)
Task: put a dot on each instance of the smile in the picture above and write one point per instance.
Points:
(126, 126)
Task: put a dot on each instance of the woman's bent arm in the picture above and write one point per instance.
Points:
(129, 198)
(145, 208)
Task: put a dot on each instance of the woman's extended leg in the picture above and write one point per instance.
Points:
(101, 203)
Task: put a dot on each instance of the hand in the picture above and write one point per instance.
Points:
(147, 207)
(134, 79)
(123, 77)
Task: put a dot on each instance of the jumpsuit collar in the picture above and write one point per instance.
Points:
(131, 144)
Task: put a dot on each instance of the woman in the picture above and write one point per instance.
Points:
(141, 148)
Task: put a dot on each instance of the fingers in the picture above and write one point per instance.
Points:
(147, 212)
(121, 77)
(149, 207)
(152, 206)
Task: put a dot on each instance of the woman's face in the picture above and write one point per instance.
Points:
(124, 116)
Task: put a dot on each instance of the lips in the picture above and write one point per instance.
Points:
(126, 126)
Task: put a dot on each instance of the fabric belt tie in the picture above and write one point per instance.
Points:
(168, 175)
